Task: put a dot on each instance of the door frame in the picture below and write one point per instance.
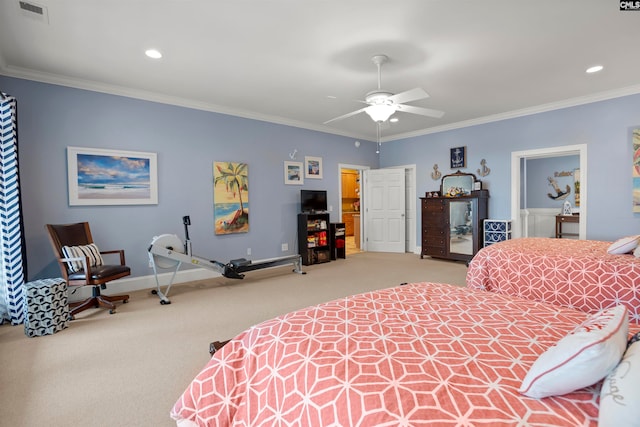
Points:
(410, 203)
(566, 150)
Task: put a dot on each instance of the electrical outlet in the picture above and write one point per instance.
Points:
(248, 251)
(285, 247)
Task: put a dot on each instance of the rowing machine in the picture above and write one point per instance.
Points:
(167, 251)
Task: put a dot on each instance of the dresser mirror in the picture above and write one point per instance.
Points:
(457, 184)
(461, 227)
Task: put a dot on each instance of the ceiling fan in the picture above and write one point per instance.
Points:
(382, 103)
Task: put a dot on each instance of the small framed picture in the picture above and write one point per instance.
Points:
(313, 167)
(293, 173)
(477, 185)
(458, 156)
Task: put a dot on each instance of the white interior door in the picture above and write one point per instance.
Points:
(384, 210)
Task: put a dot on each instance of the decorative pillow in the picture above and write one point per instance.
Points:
(620, 394)
(91, 251)
(583, 357)
(624, 245)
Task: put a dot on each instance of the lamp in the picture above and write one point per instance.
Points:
(380, 112)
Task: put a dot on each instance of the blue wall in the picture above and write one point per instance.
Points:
(537, 184)
(605, 127)
(187, 142)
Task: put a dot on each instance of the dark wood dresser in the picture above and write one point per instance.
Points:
(452, 226)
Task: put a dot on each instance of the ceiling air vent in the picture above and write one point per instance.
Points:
(35, 11)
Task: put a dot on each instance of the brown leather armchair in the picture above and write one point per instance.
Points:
(79, 269)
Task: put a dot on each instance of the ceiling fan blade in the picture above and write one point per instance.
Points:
(419, 110)
(409, 95)
(353, 113)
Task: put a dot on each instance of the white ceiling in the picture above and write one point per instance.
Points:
(282, 60)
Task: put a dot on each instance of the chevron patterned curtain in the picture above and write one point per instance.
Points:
(11, 229)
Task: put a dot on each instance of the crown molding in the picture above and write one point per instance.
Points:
(573, 102)
(77, 83)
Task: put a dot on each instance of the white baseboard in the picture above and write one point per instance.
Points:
(130, 284)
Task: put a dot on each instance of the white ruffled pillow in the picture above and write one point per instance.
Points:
(581, 358)
(624, 245)
(620, 393)
(91, 251)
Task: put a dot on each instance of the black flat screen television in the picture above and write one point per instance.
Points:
(313, 201)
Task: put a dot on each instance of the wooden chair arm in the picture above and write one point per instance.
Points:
(116, 251)
(86, 266)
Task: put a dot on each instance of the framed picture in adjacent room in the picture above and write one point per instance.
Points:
(111, 177)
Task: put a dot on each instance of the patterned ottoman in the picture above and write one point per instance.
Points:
(46, 310)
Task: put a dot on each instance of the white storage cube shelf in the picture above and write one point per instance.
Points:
(496, 230)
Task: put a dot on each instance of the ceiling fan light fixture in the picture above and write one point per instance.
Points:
(594, 69)
(153, 53)
(380, 112)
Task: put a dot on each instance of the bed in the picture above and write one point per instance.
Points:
(572, 273)
(417, 354)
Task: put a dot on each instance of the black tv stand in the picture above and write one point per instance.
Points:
(314, 239)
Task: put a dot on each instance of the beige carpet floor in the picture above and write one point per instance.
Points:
(128, 369)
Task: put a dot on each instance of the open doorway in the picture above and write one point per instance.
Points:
(350, 195)
(518, 215)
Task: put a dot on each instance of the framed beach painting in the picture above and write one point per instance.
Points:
(313, 167)
(111, 177)
(230, 197)
(293, 173)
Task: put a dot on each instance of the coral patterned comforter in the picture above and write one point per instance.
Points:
(572, 273)
(419, 354)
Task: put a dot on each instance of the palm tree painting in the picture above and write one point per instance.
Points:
(231, 197)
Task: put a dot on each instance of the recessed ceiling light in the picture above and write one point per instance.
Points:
(153, 53)
(594, 69)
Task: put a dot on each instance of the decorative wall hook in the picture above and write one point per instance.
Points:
(484, 170)
(436, 173)
(292, 155)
